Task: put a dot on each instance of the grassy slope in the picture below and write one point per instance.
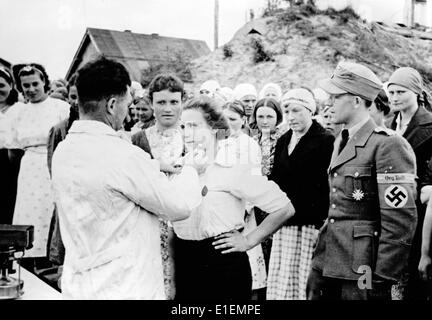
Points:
(306, 46)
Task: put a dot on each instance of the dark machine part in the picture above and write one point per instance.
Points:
(13, 239)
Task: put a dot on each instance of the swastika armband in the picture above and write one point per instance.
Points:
(395, 178)
(396, 196)
(396, 190)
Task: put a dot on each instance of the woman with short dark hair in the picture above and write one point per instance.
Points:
(211, 259)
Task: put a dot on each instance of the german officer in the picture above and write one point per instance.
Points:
(364, 244)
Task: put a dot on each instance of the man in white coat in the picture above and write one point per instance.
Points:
(110, 193)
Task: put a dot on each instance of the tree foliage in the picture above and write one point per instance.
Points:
(177, 62)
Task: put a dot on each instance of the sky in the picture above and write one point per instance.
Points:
(50, 31)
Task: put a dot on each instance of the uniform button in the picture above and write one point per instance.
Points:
(356, 174)
(334, 189)
(335, 175)
(331, 220)
(333, 206)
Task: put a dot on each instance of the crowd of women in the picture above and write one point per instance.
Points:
(285, 137)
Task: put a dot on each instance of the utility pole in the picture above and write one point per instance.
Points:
(409, 13)
(412, 13)
(216, 24)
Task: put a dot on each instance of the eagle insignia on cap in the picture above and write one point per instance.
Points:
(358, 194)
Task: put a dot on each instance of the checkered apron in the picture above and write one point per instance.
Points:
(290, 262)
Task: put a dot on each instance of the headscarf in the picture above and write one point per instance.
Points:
(227, 93)
(302, 97)
(244, 89)
(271, 87)
(409, 78)
(210, 85)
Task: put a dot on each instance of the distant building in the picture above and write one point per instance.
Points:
(387, 11)
(256, 26)
(136, 51)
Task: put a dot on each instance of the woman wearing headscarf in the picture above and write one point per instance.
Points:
(271, 90)
(8, 169)
(210, 88)
(227, 94)
(409, 100)
(29, 128)
(302, 156)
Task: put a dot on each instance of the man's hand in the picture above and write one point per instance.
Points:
(197, 159)
(425, 268)
(169, 168)
(232, 241)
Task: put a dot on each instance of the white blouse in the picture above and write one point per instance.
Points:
(226, 189)
(240, 149)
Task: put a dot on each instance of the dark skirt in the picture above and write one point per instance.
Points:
(203, 273)
(8, 186)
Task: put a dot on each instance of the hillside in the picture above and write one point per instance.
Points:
(305, 45)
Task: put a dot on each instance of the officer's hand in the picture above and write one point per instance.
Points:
(425, 268)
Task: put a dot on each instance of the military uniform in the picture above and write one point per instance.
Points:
(372, 217)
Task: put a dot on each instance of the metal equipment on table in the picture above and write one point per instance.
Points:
(14, 240)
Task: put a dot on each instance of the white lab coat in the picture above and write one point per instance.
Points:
(105, 190)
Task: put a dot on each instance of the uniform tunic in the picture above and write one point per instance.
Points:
(372, 215)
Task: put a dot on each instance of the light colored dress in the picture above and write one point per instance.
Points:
(167, 146)
(29, 127)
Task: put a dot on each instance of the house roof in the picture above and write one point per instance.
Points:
(133, 47)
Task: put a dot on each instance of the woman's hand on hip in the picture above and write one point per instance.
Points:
(232, 241)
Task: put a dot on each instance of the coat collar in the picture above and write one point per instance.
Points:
(314, 130)
(420, 127)
(358, 140)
